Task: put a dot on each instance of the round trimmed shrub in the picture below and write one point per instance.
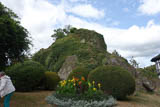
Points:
(115, 80)
(79, 72)
(27, 76)
(52, 80)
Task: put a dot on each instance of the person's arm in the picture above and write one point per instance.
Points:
(3, 83)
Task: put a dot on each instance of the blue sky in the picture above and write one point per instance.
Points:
(131, 27)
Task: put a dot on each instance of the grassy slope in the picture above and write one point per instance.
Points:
(36, 99)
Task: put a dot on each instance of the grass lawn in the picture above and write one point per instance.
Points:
(141, 100)
(36, 99)
(29, 99)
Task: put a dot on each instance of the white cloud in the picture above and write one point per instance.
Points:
(40, 17)
(149, 7)
(87, 10)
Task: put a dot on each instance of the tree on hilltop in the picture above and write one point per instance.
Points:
(60, 33)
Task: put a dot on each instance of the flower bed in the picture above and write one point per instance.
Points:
(80, 93)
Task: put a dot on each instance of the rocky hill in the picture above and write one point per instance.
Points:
(78, 48)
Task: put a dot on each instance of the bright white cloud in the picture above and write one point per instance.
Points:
(149, 7)
(40, 17)
(87, 10)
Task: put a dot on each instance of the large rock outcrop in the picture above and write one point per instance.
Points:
(80, 48)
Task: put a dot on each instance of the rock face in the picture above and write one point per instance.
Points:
(80, 48)
(67, 67)
(143, 83)
(92, 38)
(112, 59)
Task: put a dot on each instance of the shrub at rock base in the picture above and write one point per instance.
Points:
(52, 80)
(79, 72)
(115, 81)
(26, 76)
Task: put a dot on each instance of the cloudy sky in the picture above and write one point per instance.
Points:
(132, 27)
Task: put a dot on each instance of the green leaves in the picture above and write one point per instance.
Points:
(14, 39)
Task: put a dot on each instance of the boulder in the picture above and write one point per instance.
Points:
(67, 67)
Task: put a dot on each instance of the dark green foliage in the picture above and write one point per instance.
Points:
(41, 56)
(52, 80)
(79, 72)
(115, 80)
(62, 48)
(14, 40)
(26, 76)
(61, 33)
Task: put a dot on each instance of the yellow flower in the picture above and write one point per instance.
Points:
(89, 84)
(74, 84)
(72, 80)
(99, 85)
(63, 83)
(93, 82)
(94, 89)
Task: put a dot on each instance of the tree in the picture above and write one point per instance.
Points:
(14, 39)
(60, 33)
(134, 63)
(116, 53)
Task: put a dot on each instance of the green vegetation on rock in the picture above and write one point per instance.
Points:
(86, 47)
(73, 44)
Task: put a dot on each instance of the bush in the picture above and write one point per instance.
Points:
(52, 80)
(27, 76)
(115, 80)
(79, 72)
